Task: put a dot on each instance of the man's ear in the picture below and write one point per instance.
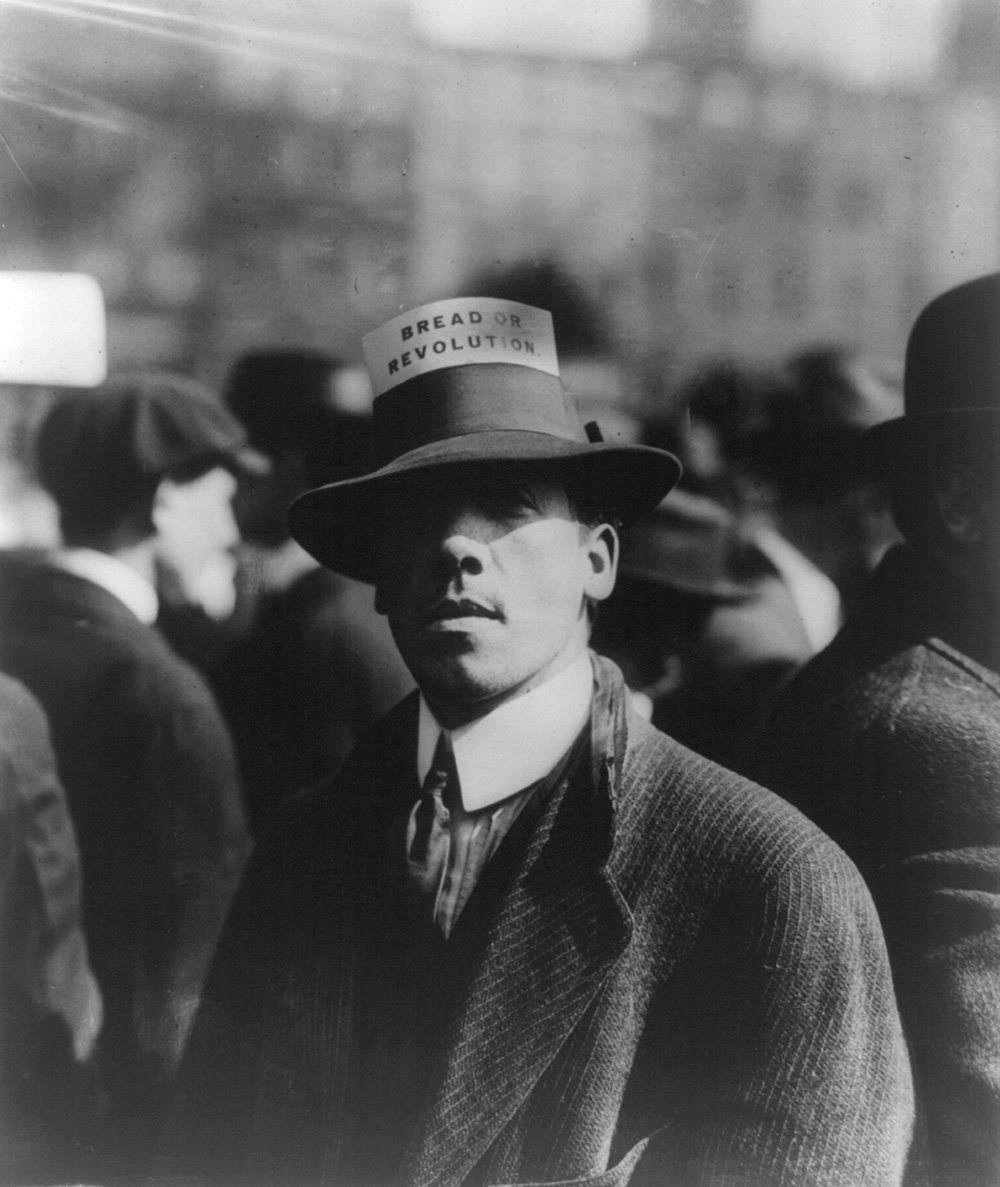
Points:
(601, 547)
(961, 503)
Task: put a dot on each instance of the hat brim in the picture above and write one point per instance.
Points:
(921, 430)
(339, 524)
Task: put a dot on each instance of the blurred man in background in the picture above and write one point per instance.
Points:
(890, 740)
(309, 665)
(702, 625)
(142, 472)
(721, 429)
(806, 462)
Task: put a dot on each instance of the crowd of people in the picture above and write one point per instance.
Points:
(454, 795)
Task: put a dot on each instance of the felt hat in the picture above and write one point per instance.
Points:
(98, 449)
(469, 380)
(693, 545)
(305, 404)
(951, 379)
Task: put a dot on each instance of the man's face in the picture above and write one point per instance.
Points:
(196, 536)
(991, 528)
(485, 572)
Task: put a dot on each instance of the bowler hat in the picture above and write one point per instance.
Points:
(99, 449)
(951, 380)
(463, 381)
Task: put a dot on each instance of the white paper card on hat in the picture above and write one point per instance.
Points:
(52, 329)
(456, 333)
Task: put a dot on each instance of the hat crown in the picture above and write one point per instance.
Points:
(467, 382)
(469, 365)
(953, 353)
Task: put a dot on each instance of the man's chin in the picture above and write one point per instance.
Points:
(462, 690)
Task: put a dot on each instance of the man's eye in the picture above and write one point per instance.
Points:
(514, 501)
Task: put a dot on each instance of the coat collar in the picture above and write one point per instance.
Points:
(518, 743)
(913, 598)
(129, 587)
(568, 924)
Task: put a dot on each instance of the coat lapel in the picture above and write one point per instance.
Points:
(560, 928)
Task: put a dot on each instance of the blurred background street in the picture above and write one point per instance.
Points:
(738, 176)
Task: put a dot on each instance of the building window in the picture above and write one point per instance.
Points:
(790, 289)
(727, 101)
(792, 184)
(726, 186)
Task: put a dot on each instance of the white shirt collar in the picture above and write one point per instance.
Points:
(113, 575)
(516, 744)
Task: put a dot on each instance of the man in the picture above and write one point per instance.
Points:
(523, 937)
(141, 470)
(890, 739)
(310, 664)
(701, 624)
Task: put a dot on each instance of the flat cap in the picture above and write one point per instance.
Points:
(99, 450)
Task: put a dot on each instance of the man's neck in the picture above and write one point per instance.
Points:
(502, 752)
(138, 557)
(129, 583)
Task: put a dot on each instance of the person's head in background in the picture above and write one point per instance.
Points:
(942, 457)
(308, 412)
(811, 460)
(144, 468)
(712, 413)
(783, 445)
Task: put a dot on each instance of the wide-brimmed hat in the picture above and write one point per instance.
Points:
(951, 381)
(463, 381)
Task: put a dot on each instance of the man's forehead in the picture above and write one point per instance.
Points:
(478, 478)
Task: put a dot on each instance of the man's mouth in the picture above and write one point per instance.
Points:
(449, 609)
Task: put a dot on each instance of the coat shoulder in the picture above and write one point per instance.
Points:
(683, 808)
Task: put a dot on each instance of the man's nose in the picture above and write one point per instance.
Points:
(463, 543)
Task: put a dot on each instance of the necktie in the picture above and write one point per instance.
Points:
(428, 834)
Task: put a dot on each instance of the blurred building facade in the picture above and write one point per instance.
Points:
(297, 186)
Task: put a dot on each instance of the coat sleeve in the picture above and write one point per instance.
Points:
(799, 1073)
(41, 876)
(941, 913)
(50, 1006)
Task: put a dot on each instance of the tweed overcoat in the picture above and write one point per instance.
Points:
(152, 788)
(682, 982)
(890, 741)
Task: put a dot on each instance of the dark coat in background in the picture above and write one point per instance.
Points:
(671, 978)
(890, 741)
(50, 1007)
(151, 783)
(301, 681)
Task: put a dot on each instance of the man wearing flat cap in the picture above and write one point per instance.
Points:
(142, 472)
(890, 739)
(523, 937)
